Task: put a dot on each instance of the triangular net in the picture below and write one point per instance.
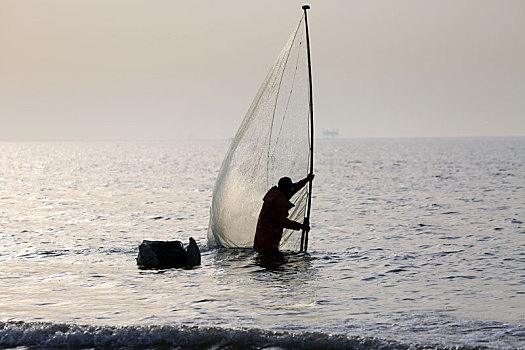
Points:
(272, 142)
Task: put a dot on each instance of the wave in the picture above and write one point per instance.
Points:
(56, 335)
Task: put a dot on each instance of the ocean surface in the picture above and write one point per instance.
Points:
(415, 243)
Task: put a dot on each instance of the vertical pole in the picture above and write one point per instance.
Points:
(304, 236)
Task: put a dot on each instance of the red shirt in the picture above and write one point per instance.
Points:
(273, 219)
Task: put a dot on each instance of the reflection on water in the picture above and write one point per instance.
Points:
(288, 267)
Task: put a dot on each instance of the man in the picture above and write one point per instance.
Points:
(273, 218)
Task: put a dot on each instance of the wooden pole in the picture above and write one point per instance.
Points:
(304, 236)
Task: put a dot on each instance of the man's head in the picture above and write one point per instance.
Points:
(285, 185)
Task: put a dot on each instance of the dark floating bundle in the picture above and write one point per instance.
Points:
(168, 254)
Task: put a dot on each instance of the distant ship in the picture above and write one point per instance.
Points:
(330, 133)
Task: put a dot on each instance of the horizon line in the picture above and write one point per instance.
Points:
(80, 140)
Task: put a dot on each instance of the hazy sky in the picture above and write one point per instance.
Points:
(104, 69)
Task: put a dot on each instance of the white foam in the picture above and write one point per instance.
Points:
(64, 335)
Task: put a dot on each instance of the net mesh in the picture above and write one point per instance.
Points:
(272, 142)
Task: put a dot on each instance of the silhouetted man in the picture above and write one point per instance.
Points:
(273, 218)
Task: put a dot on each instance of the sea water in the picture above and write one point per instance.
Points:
(415, 243)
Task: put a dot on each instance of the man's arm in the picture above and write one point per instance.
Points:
(300, 184)
(281, 213)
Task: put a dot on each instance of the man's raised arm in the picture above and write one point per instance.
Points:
(300, 184)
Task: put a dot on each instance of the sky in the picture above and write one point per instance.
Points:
(161, 70)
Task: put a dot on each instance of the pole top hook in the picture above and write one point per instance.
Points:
(306, 7)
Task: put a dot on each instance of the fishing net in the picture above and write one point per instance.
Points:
(272, 142)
